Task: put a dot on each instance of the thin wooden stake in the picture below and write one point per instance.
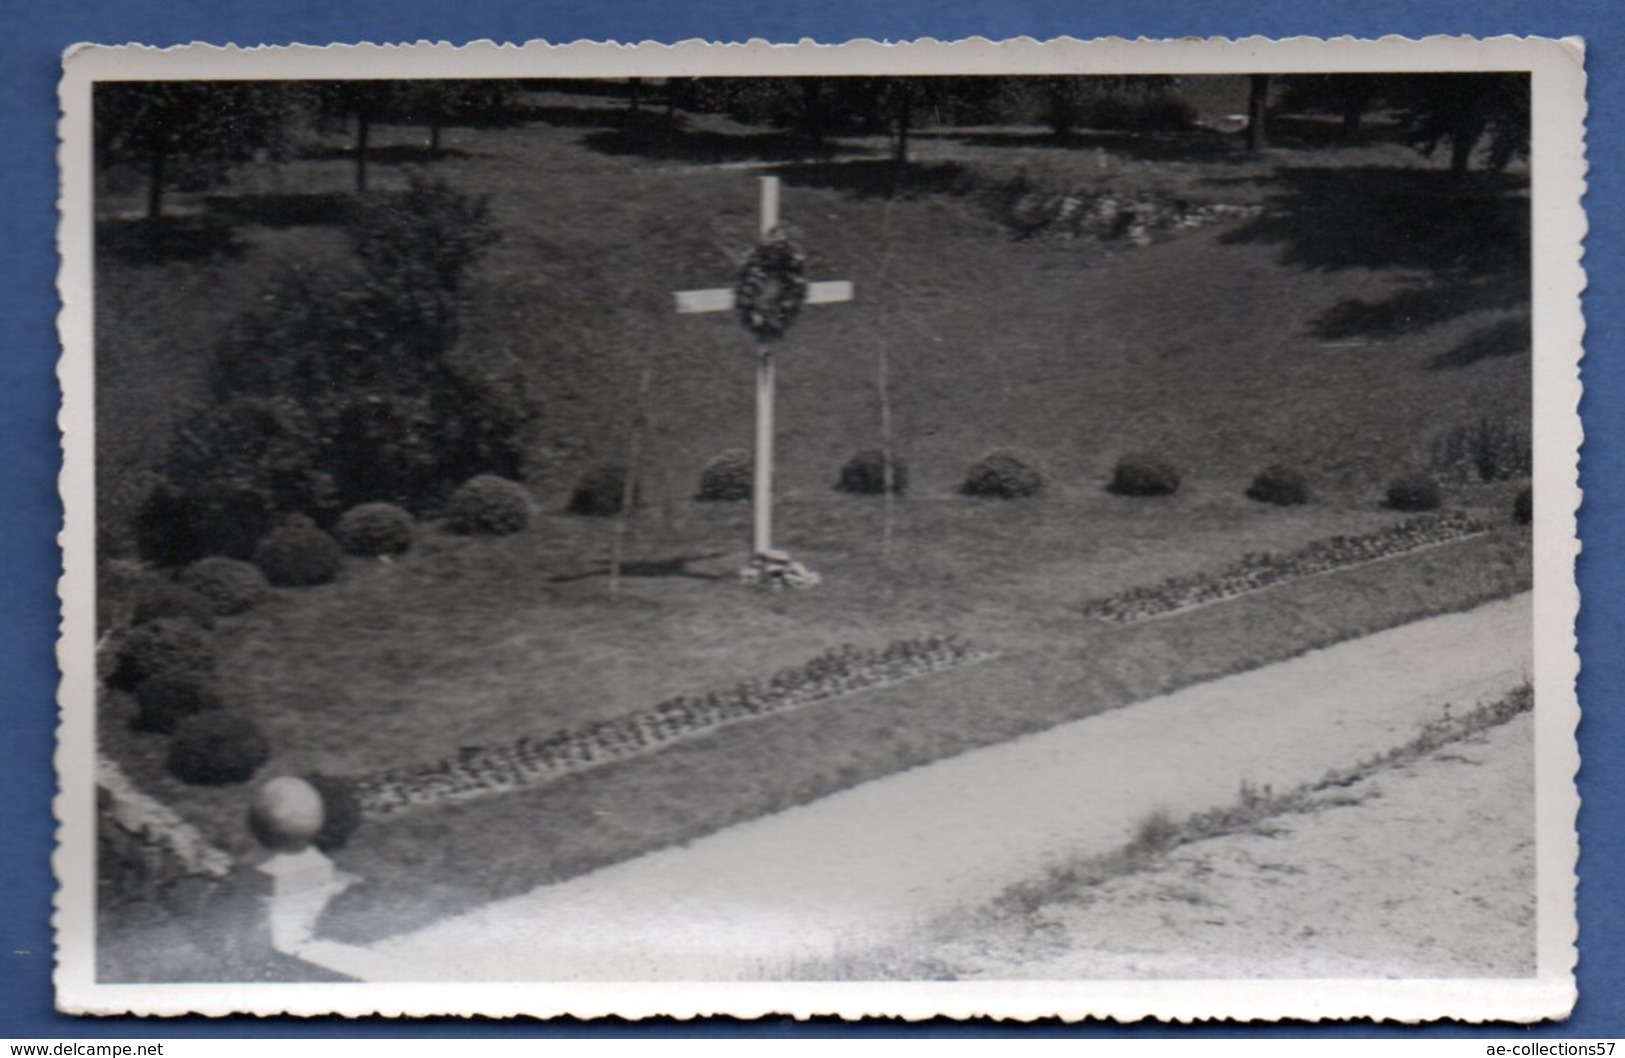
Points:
(629, 487)
(888, 451)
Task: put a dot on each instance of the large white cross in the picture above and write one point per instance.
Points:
(722, 300)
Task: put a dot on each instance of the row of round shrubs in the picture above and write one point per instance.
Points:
(1000, 474)
(167, 660)
(299, 554)
(168, 663)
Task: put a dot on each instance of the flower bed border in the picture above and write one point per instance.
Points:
(486, 771)
(1257, 572)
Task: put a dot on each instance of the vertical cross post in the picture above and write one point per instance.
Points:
(762, 487)
(722, 300)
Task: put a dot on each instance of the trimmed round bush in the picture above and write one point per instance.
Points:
(1143, 475)
(601, 492)
(216, 749)
(1004, 475)
(729, 476)
(342, 811)
(168, 699)
(1523, 508)
(1280, 485)
(169, 646)
(375, 529)
(865, 474)
(163, 599)
(487, 505)
(1413, 492)
(230, 585)
(298, 555)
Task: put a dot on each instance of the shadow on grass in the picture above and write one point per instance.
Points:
(285, 209)
(1470, 239)
(881, 177)
(1506, 338)
(1418, 308)
(165, 240)
(597, 117)
(677, 566)
(1327, 218)
(655, 138)
(1189, 145)
(390, 154)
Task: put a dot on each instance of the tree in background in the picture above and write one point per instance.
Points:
(188, 133)
(344, 384)
(1258, 98)
(1348, 95)
(1116, 102)
(1463, 109)
(432, 103)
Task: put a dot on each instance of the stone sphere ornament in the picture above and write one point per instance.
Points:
(286, 814)
(772, 286)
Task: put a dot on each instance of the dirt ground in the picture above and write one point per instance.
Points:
(1421, 870)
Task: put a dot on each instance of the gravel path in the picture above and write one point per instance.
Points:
(1388, 886)
(863, 866)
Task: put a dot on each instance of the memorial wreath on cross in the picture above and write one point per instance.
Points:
(771, 290)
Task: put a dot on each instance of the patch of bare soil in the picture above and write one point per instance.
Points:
(1425, 869)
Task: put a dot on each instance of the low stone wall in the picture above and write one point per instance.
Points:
(142, 845)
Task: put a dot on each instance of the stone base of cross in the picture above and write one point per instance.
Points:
(768, 566)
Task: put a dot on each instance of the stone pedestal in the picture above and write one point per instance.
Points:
(299, 886)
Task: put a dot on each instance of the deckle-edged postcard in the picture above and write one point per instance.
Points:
(1008, 529)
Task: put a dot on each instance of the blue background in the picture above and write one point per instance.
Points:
(32, 37)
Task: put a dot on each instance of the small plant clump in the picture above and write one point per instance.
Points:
(1413, 492)
(375, 529)
(298, 555)
(601, 492)
(169, 646)
(727, 477)
(165, 599)
(230, 585)
(166, 700)
(216, 749)
(1487, 448)
(1523, 508)
(1002, 475)
(341, 811)
(865, 474)
(1143, 475)
(487, 505)
(1280, 485)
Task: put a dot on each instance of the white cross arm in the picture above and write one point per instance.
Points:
(722, 299)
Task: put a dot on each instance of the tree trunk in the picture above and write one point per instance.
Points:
(363, 126)
(1061, 115)
(900, 151)
(812, 110)
(634, 91)
(1257, 101)
(434, 139)
(155, 182)
(1353, 114)
(1463, 139)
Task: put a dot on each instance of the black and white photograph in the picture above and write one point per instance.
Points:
(1025, 531)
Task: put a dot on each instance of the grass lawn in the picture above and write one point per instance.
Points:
(1361, 313)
